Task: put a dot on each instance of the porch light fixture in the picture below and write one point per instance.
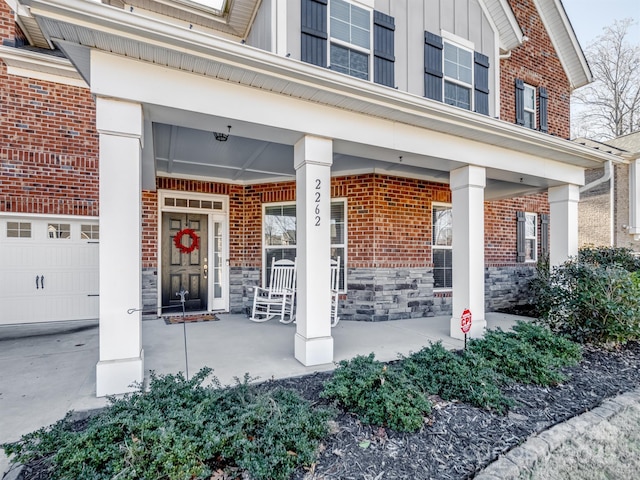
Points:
(222, 137)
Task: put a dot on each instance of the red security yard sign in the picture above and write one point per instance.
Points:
(465, 321)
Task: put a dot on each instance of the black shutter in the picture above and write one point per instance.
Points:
(433, 66)
(521, 231)
(519, 102)
(314, 32)
(383, 49)
(544, 234)
(543, 99)
(481, 83)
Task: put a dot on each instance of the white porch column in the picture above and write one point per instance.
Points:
(634, 199)
(121, 357)
(563, 223)
(313, 157)
(467, 198)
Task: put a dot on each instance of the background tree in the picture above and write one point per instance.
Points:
(610, 105)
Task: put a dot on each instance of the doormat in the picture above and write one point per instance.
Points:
(204, 317)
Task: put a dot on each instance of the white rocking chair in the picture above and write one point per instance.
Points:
(335, 290)
(276, 300)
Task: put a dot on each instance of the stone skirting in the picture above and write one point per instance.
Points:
(241, 283)
(507, 287)
(149, 291)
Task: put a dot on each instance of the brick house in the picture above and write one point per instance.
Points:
(425, 143)
(609, 212)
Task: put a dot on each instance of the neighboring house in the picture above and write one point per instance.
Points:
(609, 208)
(424, 142)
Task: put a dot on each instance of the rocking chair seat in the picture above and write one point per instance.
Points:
(278, 298)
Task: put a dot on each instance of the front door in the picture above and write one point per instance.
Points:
(184, 265)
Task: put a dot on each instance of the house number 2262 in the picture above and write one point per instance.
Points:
(317, 203)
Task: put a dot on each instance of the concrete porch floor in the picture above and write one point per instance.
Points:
(48, 369)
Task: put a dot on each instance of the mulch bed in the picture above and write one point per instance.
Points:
(458, 440)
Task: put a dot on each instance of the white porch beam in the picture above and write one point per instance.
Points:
(312, 161)
(634, 199)
(121, 356)
(563, 210)
(467, 207)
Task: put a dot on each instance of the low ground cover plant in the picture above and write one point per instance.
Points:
(594, 298)
(181, 429)
(378, 393)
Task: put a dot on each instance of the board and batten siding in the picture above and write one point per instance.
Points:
(464, 18)
(261, 34)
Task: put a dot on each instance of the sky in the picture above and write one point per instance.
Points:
(589, 17)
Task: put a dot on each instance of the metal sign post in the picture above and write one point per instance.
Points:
(182, 293)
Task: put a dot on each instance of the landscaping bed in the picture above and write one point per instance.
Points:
(456, 440)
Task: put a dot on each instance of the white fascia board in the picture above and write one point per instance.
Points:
(26, 63)
(564, 40)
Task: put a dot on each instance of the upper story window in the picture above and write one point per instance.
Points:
(349, 39)
(529, 106)
(458, 76)
(350, 30)
(454, 73)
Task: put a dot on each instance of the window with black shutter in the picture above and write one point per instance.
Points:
(527, 237)
(337, 34)
(455, 74)
(544, 234)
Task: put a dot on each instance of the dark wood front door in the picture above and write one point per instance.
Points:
(181, 270)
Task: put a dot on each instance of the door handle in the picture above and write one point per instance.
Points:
(205, 267)
(37, 280)
(41, 280)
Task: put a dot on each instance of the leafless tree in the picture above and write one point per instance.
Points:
(610, 105)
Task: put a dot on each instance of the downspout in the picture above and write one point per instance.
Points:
(606, 177)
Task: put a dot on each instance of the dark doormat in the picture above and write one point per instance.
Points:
(200, 317)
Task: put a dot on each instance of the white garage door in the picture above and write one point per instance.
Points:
(48, 269)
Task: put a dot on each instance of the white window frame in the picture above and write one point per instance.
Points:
(462, 44)
(531, 92)
(527, 237)
(343, 246)
(366, 51)
(440, 247)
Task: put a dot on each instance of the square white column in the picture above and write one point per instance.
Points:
(467, 211)
(634, 199)
(121, 357)
(563, 223)
(313, 157)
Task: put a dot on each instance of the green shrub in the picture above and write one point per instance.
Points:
(456, 376)
(528, 354)
(377, 393)
(589, 302)
(610, 256)
(181, 429)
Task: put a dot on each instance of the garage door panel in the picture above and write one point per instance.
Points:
(66, 268)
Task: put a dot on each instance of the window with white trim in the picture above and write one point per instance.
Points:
(350, 34)
(531, 237)
(18, 229)
(279, 235)
(458, 76)
(441, 247)
(529, 106)
(59, 230)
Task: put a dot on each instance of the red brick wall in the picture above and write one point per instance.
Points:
(537, 63)
(501, 223)
(7, 25)
(388, 219)
(48, 144)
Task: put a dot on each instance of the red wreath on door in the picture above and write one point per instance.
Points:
(195, 240)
